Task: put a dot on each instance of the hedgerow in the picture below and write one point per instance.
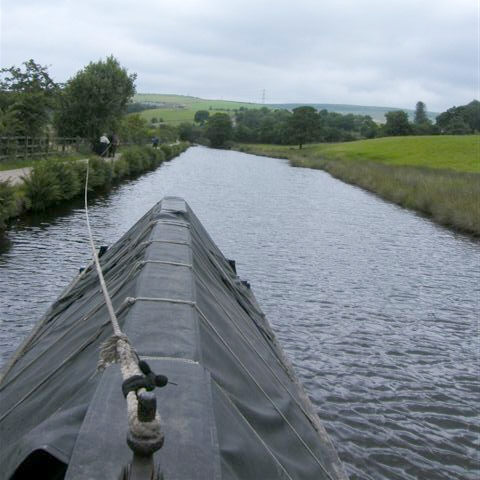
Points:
(52, 182)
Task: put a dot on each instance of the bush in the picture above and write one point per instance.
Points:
(167, 150)
(120, 169)
(157, 155)
(8, 202)
(41, 187)
(52, 181)
(100, 173)
(204, 141)
(134, 157)
(67, 179)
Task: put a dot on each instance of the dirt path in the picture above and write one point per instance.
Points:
(15, 176)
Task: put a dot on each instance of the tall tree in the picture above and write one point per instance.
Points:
(420, 114)
(219, 129)
(397, 123)
(304, 125)
(27, 97)
(422, 125)
(462, 119)
(95, 99)
(134, 128)
(201, 116)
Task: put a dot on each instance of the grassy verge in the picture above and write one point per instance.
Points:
(437, 176)
(54, 181)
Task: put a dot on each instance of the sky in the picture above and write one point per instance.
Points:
(363, 52)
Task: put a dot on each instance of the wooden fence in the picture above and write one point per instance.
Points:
(13, 148)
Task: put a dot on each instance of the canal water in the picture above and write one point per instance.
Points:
(376, 306)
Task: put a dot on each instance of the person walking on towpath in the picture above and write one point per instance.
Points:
(155, 141)
(104, 144)
(114, 142)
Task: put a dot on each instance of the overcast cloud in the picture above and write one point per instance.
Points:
(365, 52)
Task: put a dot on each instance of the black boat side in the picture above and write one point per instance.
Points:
(237, 411)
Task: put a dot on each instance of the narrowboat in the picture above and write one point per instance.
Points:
(227, 400)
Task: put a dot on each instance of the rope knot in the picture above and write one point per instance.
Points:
(108, 350)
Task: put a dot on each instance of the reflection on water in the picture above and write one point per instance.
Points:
(376, 307)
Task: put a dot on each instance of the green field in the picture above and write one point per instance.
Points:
(438, 176)
(453, 152)
(179, 108)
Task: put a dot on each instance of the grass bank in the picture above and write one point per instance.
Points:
(438, 176)
(55, 181)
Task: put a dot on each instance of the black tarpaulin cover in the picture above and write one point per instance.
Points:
(237, 412)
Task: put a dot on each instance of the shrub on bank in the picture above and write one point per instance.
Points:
(167, 150)
(51, 182)
(135, 158)
(9, 203)
(67, 179)
(100, 173)
(121, 169)
(40, 187)
(157, 157)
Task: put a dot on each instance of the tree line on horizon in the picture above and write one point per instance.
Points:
(307, 125)
(96, 100)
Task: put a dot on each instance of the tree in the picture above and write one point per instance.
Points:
(166, 133)
(187, 132)
(201, 116)
(219, 129)
(422, 125)
(94, 100)
(420, 114)
(133, 128)
(397, 123)
(304, 125)
(368, 128)
(457, 126)
(462, 119)
(471, 115)
(27, 97)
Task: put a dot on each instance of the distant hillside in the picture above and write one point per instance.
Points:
(175, 109)
(377, 113)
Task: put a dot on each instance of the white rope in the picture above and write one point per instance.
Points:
(118, 349)
(113, 318)
(167, 300)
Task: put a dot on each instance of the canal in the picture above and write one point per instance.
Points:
(376, 306)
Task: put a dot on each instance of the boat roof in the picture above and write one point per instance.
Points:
(237, 410)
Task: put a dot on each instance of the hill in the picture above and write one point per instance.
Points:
(377, 113)
(175, 109)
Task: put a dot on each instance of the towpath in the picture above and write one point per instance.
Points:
(15, 176)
